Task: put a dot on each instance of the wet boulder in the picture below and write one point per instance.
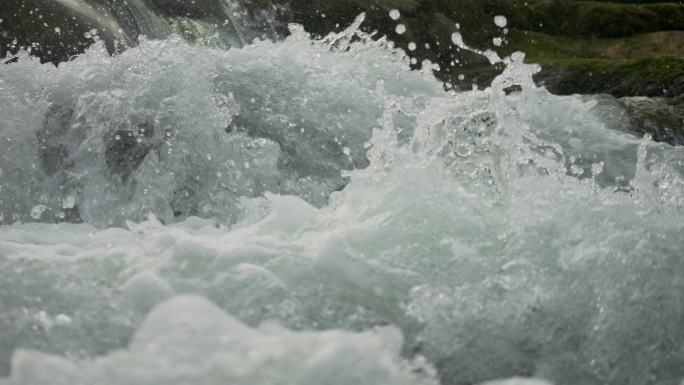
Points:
(125, 149)
(661, 118)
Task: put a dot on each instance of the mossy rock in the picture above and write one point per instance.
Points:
(646, 65)
(630, 77)
(542, 47)
(589, 18)
(661, 118)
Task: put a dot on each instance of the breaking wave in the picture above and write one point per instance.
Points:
(397, 233)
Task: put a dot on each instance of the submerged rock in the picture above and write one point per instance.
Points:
(660, 118)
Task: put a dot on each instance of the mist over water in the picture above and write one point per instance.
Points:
(311, 211)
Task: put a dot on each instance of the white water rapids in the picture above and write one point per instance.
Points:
(312, 212)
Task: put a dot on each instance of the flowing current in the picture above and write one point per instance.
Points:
(312, 212)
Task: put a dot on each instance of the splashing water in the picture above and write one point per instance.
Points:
(322, 186)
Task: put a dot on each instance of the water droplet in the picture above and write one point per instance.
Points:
(457, 39)
(576, 170)
(401, 28)
(62, 319)
(597, 168)
(500, 21)
(395, 14)
(412, 46)
(68, 202)
(37, 211)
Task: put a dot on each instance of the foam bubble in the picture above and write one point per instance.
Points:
(500, 21)
(187, 329)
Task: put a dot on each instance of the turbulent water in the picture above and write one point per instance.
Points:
(312, 212)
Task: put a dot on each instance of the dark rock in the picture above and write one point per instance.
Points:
(53, 152)
(125, 150)
(661, 118)
(185, 8)
(46, 27)
(59, 140)
(591, 19)
(653, 77)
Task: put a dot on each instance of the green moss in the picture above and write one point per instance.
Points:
(543, 47)
(661, 76)
(589, 18)
(661, 68)
(647, 64)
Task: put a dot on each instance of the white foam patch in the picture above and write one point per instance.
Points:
(190, 340)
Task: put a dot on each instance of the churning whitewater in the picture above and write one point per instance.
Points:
(313, 212)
